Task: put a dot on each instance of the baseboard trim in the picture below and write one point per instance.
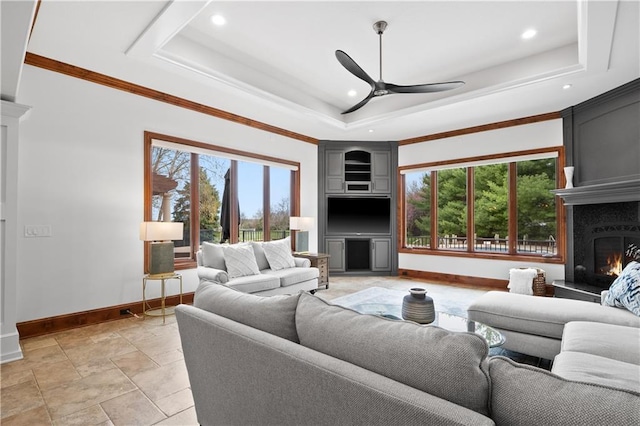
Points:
(10, 347)
(464, 280)
(55, 324)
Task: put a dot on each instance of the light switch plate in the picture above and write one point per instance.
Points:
(37, 231)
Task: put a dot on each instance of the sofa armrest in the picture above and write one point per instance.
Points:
(212, 274)
(302, 262)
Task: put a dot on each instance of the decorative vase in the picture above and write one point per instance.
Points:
(568, 174)
(418, 307)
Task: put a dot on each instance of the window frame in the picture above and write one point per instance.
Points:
(469, 163)
(182, 263)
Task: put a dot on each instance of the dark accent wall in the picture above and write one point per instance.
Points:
(602, 137)
(602, 142)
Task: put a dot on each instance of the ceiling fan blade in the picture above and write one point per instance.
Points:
(361, 103)
(424, 88)
(353, 68)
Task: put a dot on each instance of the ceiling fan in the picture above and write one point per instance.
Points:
(380, 88)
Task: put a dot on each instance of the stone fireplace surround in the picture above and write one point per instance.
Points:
(601, 235)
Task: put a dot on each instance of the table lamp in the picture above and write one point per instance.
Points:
(160, 235)
(302, 225)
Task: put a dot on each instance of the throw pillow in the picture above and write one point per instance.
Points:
(274, 314)
(258, 251)
(240, 260)
(625, 290)
(213, 256)
(279, 254)
(449, 365)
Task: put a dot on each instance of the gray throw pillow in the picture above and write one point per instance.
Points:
(274, 314)
(525, 395)
(240, 260)
(213, 256)
(258, 251)
(452, 366)
(279, 254)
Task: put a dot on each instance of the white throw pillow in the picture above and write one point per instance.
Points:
(279, 254)
(240, 260)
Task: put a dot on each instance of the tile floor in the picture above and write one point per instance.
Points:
(125, 372)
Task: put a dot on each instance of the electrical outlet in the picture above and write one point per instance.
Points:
(37, 231)
(124, 312)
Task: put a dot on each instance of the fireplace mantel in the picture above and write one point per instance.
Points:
(614, 192)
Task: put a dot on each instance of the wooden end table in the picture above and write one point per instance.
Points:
(320, 261)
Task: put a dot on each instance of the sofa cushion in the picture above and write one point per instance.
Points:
(607, 340)
(583, 367)
(452, 366)
(254, 283)
(625, 290)
(213, 256)
(240, 260)
(275, 314)
(291, 276)
(542, 316)
(525, 395)
(278, 254)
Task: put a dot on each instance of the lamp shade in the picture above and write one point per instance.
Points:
(161, 231)
(301, 223)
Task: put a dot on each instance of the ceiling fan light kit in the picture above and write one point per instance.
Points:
(380, 88)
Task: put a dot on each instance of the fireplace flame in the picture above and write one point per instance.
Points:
(614, 263)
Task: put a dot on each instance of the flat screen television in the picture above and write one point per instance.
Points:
(358, 215)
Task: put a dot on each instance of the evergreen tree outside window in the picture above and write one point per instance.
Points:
(491, 198)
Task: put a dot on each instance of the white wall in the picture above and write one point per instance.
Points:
(80, 171)
(518, 138)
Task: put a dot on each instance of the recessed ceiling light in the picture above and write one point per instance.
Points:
(352, 93)
(218, 20)
(566, 86)
(371, 130)
(530, 33)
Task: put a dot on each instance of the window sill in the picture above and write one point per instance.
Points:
(476, 255)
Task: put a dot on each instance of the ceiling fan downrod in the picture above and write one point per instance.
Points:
(379, 28)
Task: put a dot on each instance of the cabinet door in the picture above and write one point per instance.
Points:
(335, 248)
(381, 254)
(334, 172)
(381, 172)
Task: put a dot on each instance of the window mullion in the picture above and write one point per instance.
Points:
(513, 208)
(194, 232)
(470, 209)
(233, 198)
(434, 211)
(266, 203)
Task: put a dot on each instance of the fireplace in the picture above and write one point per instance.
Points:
(601, 235)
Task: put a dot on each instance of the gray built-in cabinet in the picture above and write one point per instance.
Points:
(357, 206)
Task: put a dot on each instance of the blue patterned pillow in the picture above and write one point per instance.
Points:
(625, 290)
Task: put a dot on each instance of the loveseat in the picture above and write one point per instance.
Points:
(298, 360)
(264, 268)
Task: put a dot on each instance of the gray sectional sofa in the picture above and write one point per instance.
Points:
(255, 274)
(587, 341)
(298, 360)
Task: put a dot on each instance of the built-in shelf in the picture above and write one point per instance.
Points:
(614, 192)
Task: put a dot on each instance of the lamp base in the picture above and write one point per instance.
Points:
(302, 241)
(161, 258)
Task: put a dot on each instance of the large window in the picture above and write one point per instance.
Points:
(484, 206)
(221, 195)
